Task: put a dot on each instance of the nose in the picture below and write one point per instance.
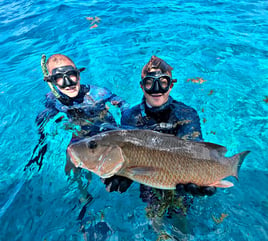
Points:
(67, 80)
(156, 86)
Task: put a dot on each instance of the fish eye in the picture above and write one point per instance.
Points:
(92, 144)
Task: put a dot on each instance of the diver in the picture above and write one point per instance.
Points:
(84, 105)
(158, 111)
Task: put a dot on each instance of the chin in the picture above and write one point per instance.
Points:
(73, 95)
(157, 103)
(70, 94)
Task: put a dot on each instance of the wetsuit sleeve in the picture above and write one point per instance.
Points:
(190, 128)
(41, 147)
(130, 118)
(125, 119)
(102, 94)
(44, 117)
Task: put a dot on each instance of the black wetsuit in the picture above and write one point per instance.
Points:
(88, 110)
(174, 118)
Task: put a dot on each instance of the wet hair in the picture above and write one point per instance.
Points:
(57, 59)
(156, 63)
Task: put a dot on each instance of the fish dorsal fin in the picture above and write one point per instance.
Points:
(221, 150)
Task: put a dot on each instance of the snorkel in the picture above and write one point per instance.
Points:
(46, 77)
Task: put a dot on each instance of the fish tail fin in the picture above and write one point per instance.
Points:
(237, 161)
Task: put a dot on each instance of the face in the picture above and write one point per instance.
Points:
(157, 99)
(71, 91)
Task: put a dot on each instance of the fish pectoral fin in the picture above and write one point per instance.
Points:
(134, 170)
(222, 183)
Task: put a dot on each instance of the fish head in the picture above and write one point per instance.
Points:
(103, 158)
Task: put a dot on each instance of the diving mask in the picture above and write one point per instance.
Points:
(65, 76)
(156, 82)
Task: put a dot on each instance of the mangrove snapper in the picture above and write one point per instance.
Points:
(155, 159)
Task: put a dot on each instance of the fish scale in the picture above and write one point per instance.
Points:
(156, 159)
(174, 169)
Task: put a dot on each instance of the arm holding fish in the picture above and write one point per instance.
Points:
(117, 183)
(129, 120)
(191, 130)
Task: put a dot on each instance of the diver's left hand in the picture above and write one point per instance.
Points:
(196, 190)
(115, 102)
(117, 184)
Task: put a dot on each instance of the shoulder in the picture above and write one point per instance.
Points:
(50, 101)
(183, 109)
(132, 111)
(50, 109)
(181, 105)
(99, 92)
(190, 129)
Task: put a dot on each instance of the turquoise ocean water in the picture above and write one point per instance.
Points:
(224, 42)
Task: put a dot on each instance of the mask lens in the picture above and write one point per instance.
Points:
(148, 83)
(164, 82)
(72, 74)
(66, 79)
(57, 79)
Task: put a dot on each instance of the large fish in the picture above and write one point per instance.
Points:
(155, 159)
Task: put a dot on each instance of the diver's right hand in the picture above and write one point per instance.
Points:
(117, 183)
